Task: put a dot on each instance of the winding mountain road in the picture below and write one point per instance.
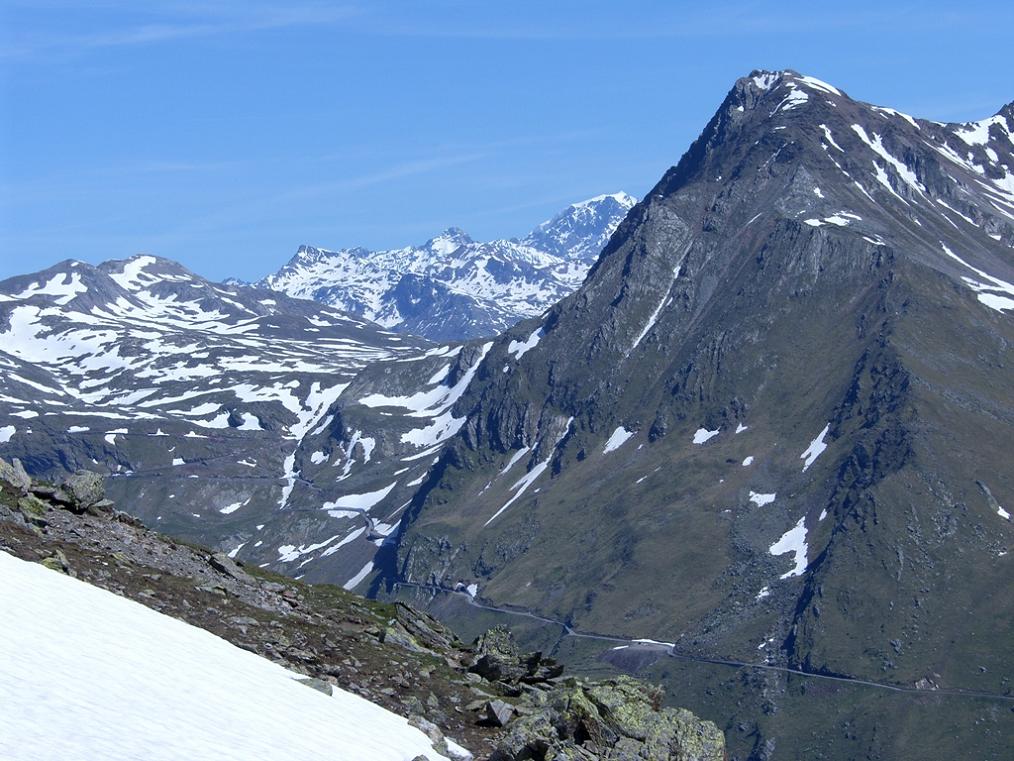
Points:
(569, 631)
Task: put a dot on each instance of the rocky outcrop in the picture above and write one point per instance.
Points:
(498, 659)
(617, 719)
(418, 631)
(82, 492)
(13, 477)
(86, 488)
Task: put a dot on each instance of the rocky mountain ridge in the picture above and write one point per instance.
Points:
(455, 288)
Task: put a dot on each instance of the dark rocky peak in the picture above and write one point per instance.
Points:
(791, 186)
(764, 113)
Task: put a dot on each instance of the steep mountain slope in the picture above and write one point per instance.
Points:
(452, 287)
(216, 409)
(772, 426)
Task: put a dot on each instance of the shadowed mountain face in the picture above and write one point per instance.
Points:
(452, 287)
(773, 425)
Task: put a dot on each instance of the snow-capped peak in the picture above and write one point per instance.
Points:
(579, 232)
(453, 287)
(448, 241)
(623, 199)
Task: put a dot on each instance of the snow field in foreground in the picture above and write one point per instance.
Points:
(85, 674)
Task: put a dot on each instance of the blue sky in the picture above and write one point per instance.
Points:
(223, 134)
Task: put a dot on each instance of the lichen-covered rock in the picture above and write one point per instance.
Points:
(13, 477)
(57, 562)
(418, 631)
(85, 488)
(616, 719)
(497, 656)
(33, 509)
(498, 659)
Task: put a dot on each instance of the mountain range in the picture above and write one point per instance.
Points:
(452, 287)
(214, 409)
(763, 444)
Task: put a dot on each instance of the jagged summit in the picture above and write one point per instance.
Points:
(448, 241)
(453, 287)
(814, 155)
(622, 198)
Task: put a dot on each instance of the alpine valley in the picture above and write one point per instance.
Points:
(758, 452)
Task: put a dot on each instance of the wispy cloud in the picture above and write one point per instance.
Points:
(177, 22)
(677, 21)
(251, 208)
(382, 176)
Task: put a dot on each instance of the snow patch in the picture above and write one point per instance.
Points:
(702, 435)
(995, 293)
(830, 138)
(355, 580)
(522, 484)
(818, 84)
(230, 509)
(617, 439)
(520, 348)
(794, 541)
(363, 501)
(514, 459)
(816, 448)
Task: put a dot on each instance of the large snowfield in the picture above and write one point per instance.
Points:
(85, 674)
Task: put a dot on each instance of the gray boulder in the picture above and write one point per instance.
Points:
(85, 488)
(498, 712)
(13, 477)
